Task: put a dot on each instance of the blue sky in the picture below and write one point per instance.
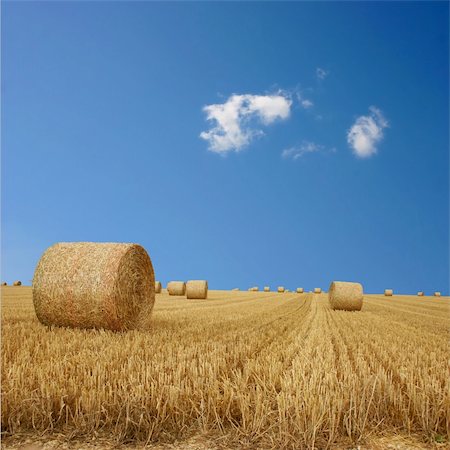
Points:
(245, 143)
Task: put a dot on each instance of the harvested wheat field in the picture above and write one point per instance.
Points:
(238, 370)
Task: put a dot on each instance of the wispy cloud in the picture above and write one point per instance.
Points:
(321, 74)
(297, 152)
(233, 129)
(366, 133)
(304, 102)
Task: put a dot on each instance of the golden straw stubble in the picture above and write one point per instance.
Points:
(176, 287)
(197, 289)
(94, 285)
(345, 295)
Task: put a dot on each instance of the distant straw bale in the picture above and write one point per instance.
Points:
(300, 290)
(17, 283)
(254, 289)
(420, 294)
(158, 287)
(197, 289)
(4, 283)
(280, 289)
(388, 292)
(266, 289)
(437, 294)
(317, 290)
(235, 289)
(94, 285)
(176, 287)
(346, 296)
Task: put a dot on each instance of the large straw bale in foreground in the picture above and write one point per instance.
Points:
(437, 294)
(94, 285)
(388, 292)
(346, 296)
(158, 287)
(280, 289)
(300, 290)
(197, 289)
(17, 283)
(317, 290)
(176, 287)
(266, 289)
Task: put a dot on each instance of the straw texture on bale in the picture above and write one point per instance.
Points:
(437, 294)
(299, 290)
(197, 289)
(280, 289)
(317, 290)
(388, 292)
(346, 296)
(94, 285)
(158, 287)
(420, 294)
(266, 289)
(4, 283)
(17, 283)
(176, 287)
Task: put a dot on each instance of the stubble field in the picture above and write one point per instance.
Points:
(242, 369)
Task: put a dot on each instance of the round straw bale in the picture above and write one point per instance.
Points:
(197, 289)
(280, 289)
(4, 283)
(235, 289)
(158, 287)
(266, 289)
(317, 290)
(346, 296)
(176, 287)
(17, 283)
(420, 293)
(388, 292)
(437, 294)
(299, 290)
(94, 285)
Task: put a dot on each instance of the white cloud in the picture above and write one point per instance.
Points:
(232, 129)
(297, 152)
(304, 102)
(321, 73)
(366, 132)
